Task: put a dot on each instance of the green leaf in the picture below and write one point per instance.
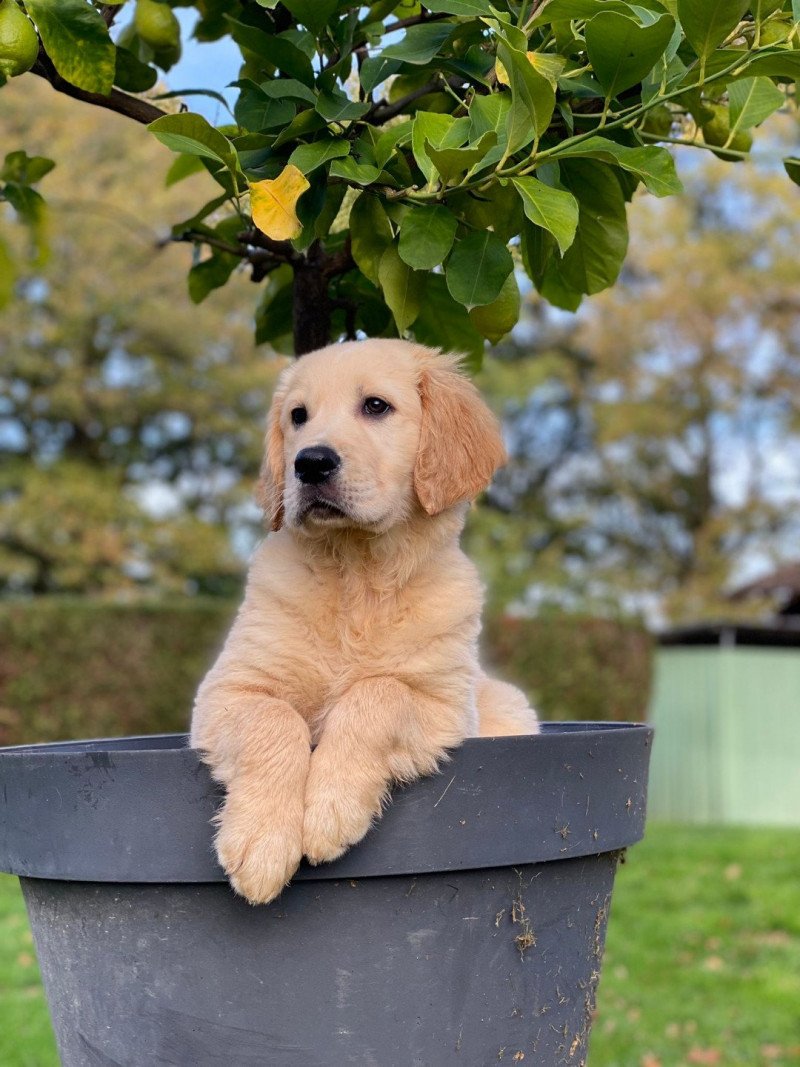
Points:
(193, 135)
(537, 247)
(444, 323)
(426, 236)
(255, 110)
(496, 319)
(351, 171)
(370, 234)
(402, 287)
(27, 203)
(30, 207)
(477, 268)
(533, 98)
(334, 195)
(209, 274)
(464, 8)
(751, 100)
(792, 168)
(280, 88)
(312, 13)
(388, 140)
(182, 167)
(303, 124)
(430, 127)
(707, 23)
(196, 220)
(450, 163)
(307, 157)
(654, 166)
(782, 63)
(24, 169)
(278, 51)
(555, 210)
(131, 74)
(593, 261)
(376, 69)
(419, 44)
(487, 113)
(335, 106)
(622, 51)
(567, 10)
(75, 37)
(274, 313)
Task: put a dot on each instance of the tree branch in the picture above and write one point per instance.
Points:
(340, 262)
(283, 250)
(131, 107)
(109, 13)
(382, 111)
(415, 20)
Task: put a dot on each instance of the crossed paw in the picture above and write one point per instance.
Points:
(260, 846)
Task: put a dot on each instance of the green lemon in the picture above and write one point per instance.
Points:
(776, 31)
(19, 44)
(717, 131)
(164, 58)
(658, 122)
(156, 24)
(496, 319)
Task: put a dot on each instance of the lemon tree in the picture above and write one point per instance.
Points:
(395, 167)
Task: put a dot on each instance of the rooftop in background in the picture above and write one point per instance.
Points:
(781, 633)
(781, 586)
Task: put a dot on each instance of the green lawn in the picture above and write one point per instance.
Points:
(702, 964)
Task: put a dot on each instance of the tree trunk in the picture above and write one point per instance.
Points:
(311, 306)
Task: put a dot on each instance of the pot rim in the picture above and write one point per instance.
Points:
(139, 809)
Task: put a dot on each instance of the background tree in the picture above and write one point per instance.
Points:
(130, 420)
(383, 158)
(656, 437)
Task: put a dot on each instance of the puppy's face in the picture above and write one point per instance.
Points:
(362, 433)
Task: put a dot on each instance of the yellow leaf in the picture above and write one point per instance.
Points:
(549, 66)
(273, 202)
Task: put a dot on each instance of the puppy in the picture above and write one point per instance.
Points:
(358, 632)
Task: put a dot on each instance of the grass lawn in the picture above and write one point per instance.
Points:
(702, 963)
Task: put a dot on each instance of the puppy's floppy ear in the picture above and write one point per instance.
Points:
(460, 446)
(270, 486)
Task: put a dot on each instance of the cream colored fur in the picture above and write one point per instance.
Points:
(358, 632)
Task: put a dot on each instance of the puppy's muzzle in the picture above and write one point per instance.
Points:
(313, 466)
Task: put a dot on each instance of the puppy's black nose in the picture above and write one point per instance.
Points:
(315, 465)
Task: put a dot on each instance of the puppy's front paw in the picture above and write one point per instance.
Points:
(258, 858)
(335, 818)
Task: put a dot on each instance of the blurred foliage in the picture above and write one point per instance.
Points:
(130, 421)
(655, 438)
(82, 668)
(450, 128)
(573, 666)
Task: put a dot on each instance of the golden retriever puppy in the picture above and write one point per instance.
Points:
(358, 632)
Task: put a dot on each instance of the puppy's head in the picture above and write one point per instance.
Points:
(360, 434)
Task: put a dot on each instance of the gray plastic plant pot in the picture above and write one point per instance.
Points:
(467, 928)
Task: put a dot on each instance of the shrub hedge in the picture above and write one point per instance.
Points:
(82, 668)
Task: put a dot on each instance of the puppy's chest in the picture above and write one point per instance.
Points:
(350, 634)
(357, 625)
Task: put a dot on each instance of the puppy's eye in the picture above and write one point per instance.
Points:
(373, 405)
(299, 416)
